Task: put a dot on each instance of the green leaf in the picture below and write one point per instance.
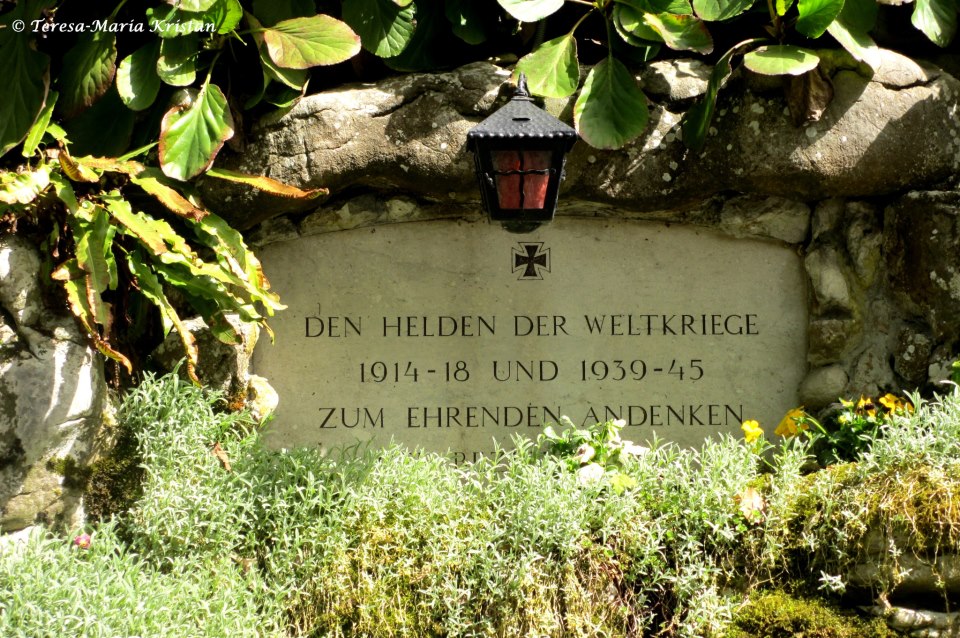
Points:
(850, 30)
(715, 10)
(384, 28)
(531, 10)
(267, 184)
(168, 22)
(225, 15)
(137, 79)
(177, 62)
(23, 188)
(429, 47)
(193, 131)
(294, 78)
(676, 7)
(155, 234)
(26, 74)
(781, 59)
(104, 129)
(301, 43)
(937, 19)
(150, 287)
(148, 231)
(89, 308)
(697, 120)
(469, 20)
(552, 69)
(236, 258)
(783, 6)
(93, 243)
(153, 182)
(681, 32)
(816, 16)
(611, 109)
(36, 132)
(630, 23)
(194, 5)
(270, 12)
(88, 70)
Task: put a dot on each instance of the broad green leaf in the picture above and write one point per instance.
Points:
(193, 131)
(716, 10)
(193, 5)
(104, 129)
(137, 79)
(676, 7)
(301, 43)
(270, 12)
(267, 184)
(168, 22)
(697, 120)
(225, 15)
(937, 19)
(850, 30)
(384, 28)
(783, 6)
(36, 132)
(26, 74)
(88, 70)
(531, 10)
(149, 285)
(152, 181)
(294, 78)
(552, 69)
(681, 32)
(468, 19)
(611, 109)
(93, 244)
(429, 47)
(781, 59)
(816, 16)
(23, 188)
(177, 62)
(630, 23)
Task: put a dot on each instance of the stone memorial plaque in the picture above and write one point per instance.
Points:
(448, 335)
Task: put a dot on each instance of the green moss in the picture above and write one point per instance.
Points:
(116, 480)
(778, 614)
(75, 476)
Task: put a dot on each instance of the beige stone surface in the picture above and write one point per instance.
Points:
(427, 334)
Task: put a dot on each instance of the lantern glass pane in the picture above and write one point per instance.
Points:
(519, 189)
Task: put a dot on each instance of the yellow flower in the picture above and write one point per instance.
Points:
(889, 401)
(894, 403)
(751, 430)
(791, 423)
(866, 405)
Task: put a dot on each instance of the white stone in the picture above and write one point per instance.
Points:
(362, 295)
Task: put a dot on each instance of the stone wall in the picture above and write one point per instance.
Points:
(53, 405)
(863, 193)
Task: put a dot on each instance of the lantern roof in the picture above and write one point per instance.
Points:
(521, 118)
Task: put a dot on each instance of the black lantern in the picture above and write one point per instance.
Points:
(519, 153)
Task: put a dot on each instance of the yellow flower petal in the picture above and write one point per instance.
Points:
(889, 401)
(789, 425)
(751, 430)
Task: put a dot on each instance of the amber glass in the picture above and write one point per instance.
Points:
(521, 190)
